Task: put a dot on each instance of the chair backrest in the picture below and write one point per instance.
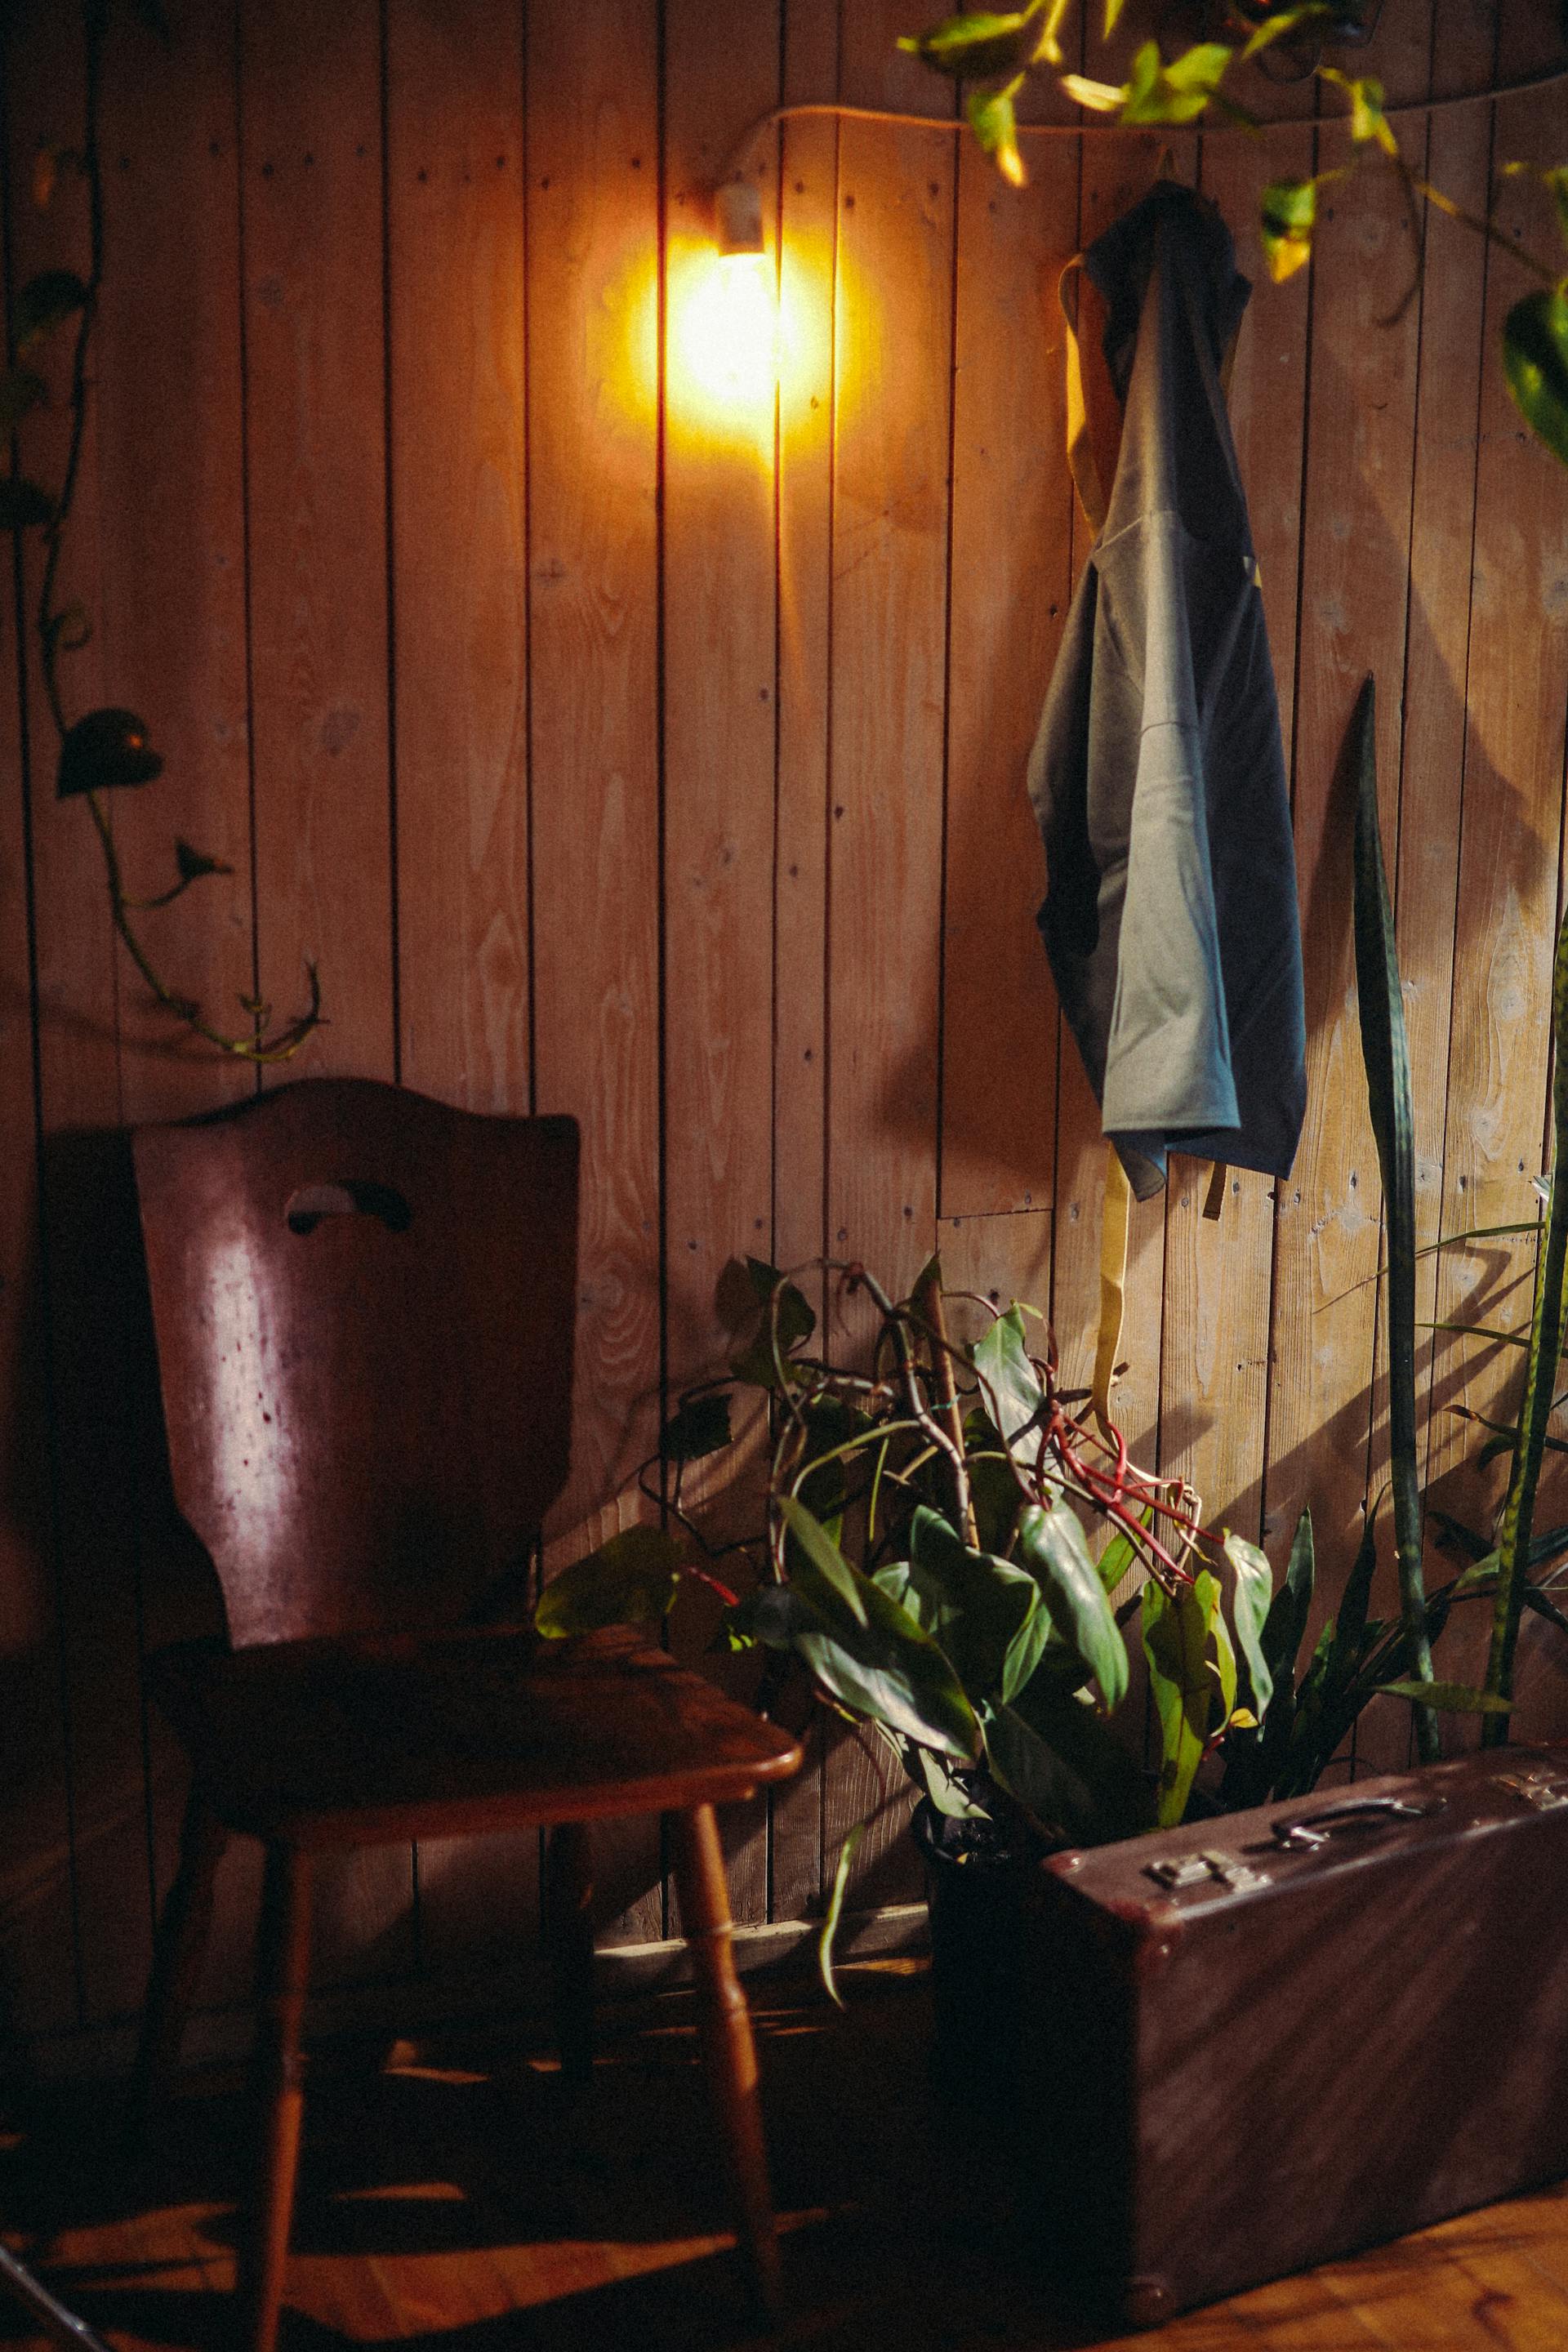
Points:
(364, 1305)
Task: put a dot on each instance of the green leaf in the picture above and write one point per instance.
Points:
(1061, 1763)
(892, 1672)
(1177, 92)
(1251, 1601)
(20, 391)
(104, 751)
(1368, 122)
(986, 1616)
(1100, 97)
(701, 1427)
(1053, 1550)
(1288, 1612)
(977, 42)
(1120, 1553)
(631, 1579)
(836, 1910)
(22, 503)
(1349, 1645)
(1453, 1698)
(786, 1319)
(1279, 22)
(1178, 1630)
(995, 122)
(194, 864)
(1535, 362)
(945, 1789)
(45, 302)
(819, 1568)
(1011, 1386)
(1289, 213)
(1555, 179)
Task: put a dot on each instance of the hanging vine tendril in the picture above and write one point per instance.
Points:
(107, 749)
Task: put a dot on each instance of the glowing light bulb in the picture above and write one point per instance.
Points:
(723, 339)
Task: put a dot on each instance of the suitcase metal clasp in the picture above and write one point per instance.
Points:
(1211, 1868)
(1543, 1794)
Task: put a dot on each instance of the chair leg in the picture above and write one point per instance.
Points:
(177, 1954)
(569, 1935)
(724, 2025)
(282, 1979)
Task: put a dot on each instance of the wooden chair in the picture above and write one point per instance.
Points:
(363, 1304)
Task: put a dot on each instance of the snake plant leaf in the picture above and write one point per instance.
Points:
(104, 751)
(1535, 362)
(1288, 215)
(1051, 1544)
(1251, 1596)
(45, 302)
(631, 1579)
(1453, 1698)
(1010, 1385)
(818, 1568)
(987, 1616)
(1178, 1629)
(786, 1321)
(701, 1427)
(1349, 1645)
(1288, 1612)
(1386, 1058)
(977, 43)
(995, 122)
(1254, 1759)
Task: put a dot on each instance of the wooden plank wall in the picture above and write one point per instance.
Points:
(626, 739)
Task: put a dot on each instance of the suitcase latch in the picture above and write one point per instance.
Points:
(1210, 1869)
(1543, 1794)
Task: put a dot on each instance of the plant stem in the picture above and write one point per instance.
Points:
(1546, 1349)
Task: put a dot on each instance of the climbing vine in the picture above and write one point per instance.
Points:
(996, 53)
(105, 750)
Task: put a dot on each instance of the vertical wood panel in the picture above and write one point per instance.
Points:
(455, 171)
(807, 264)
(593, 260)
(719, 580)
(81, 1282)
(1356, 537)
(894, 299)
(1011, 548)
(1509, 880)
(455, 232)
(311, 99)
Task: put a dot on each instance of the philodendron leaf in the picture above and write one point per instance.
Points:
(105, 752)
(1535, 362)
(1177, 92)
(1368, 121)
(995, 122)
(701, 1427)
(819, 1568)
(1059, 1760)
(1011, 1386)
(1053, 1550)
(977, 43)
(1453, 1698)
(786, 1321)
(44, 302)
(1249, 1604)
(1120, 1553)
(1178, 1630)
(631, 1579)
(986, 1615)
(193, 865)
(1288, 216)
(836, 1911)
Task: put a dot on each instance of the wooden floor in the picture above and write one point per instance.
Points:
(440, 2208)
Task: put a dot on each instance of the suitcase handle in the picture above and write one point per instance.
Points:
(1314, 1829)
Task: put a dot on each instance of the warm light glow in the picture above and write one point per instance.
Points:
(723, 337)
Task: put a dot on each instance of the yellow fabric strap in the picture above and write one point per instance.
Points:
(1081, 449)
(1116, 1222)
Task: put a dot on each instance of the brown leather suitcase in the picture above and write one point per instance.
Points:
(1257, 2043)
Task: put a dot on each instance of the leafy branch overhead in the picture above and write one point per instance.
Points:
(997, 54)
(106, 750)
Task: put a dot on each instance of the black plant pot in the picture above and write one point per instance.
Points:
(978, 1880)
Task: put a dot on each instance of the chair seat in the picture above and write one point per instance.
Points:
(377, 1738)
